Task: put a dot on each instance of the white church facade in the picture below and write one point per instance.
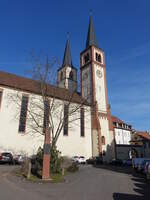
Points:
(91, 134)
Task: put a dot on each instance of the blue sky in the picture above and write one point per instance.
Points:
(122, 29)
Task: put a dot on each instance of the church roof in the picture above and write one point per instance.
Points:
(33, 86)
(67, 60)
(91, 36)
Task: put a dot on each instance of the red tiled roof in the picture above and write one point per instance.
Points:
(32, 86)
(144, 135)
(116, 119)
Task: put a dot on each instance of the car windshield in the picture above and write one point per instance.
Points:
(6, 154)
(81, 156)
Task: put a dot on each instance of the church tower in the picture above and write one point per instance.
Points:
(67, 74)
(94, 89)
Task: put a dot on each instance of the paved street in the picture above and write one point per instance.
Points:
(88, 184)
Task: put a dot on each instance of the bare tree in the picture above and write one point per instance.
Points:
(45, 109)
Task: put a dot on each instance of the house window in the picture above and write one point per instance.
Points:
(46, 115)
(82, 122)
(23, 113)
(103, 140)
(1, 93)
(66, 109)
(115, 124)
(71, 75)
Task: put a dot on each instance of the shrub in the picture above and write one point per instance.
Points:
(73, 168)
(55, 161)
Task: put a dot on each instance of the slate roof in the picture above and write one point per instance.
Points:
(67, 60)
(29, 85)
(91, 36)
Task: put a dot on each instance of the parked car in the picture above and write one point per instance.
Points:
(6, 157)
(127, 162)
(148, 171)
(19, 159)
(141, 165)
(81, 160)
(136, 162)
(98, 160)
(146, 167)
(75, 158)
(116, 162)
(91, 160)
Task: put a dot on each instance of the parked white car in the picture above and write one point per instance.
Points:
(18, 159)
(81, 160)
(75, 158)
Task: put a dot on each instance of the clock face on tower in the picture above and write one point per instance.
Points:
(99, 73)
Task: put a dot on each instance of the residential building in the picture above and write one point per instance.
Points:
(122, 131)
(142, 138)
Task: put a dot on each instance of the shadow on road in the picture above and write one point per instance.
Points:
(142, 186)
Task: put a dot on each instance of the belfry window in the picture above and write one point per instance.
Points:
(71, 75)
(86, 58)
(23, 113)
(98, 57)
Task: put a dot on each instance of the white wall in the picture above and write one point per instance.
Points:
(12, 140)
(122, 136)
(109, 145)
(100, 89)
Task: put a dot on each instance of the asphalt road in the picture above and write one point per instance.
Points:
(88, 184)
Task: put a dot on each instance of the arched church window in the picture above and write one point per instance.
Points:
(103, 140)
(71, 75)
(61, 75)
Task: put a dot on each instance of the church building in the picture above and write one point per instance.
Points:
(91, 134)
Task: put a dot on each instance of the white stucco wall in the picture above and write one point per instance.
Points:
(122, 136)
(108, 147)
(28, 143)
